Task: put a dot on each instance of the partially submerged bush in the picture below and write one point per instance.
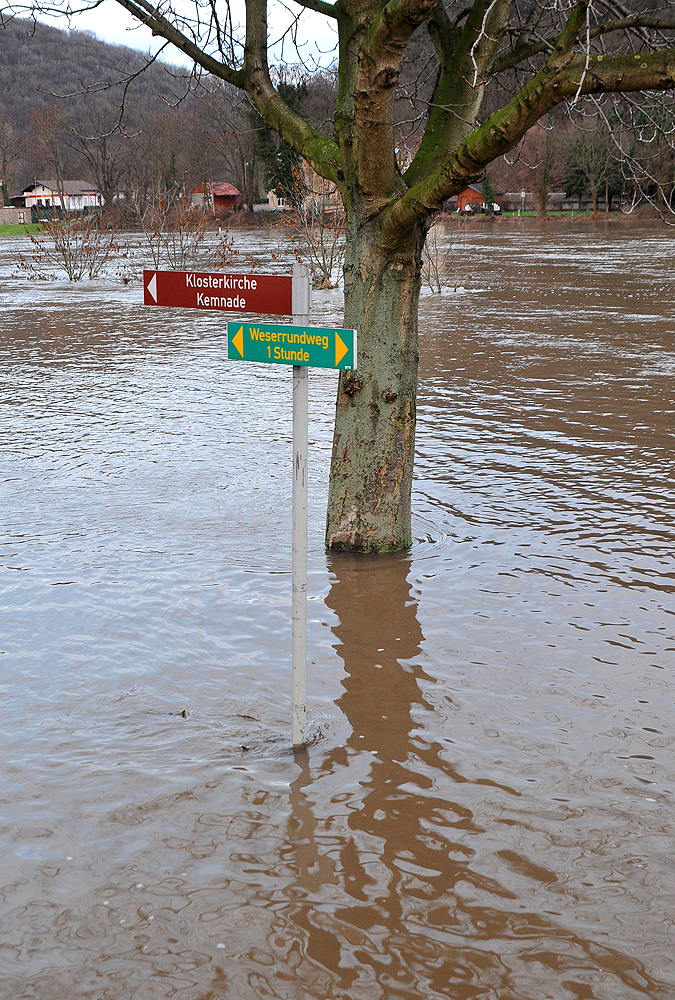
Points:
(76, 246)
(179, 236)
(315, 227)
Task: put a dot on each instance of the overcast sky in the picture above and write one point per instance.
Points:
(111, 23)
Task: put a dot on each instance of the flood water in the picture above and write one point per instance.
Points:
(486, 807)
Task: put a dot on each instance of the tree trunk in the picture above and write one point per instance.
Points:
(5, 193)
(374, 439)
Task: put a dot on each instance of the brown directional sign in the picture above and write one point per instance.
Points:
(248, 293)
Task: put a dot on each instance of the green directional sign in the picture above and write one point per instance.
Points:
(272, 344)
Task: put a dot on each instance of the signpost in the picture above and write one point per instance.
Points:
(315, 347)
(250, 293)
(299, 345)
(301, 302)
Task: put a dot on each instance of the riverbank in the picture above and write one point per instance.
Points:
(262, 220)
(18, 230)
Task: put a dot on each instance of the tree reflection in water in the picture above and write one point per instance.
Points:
(396, 892)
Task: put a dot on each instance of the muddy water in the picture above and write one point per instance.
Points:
(486, 808)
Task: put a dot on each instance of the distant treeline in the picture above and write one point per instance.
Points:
(57, 122)
(40, 64)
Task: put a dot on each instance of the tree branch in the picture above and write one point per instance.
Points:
(312, 144)
(158, 24)
(444, 33)
(459, 92)
(624, 74)
(396, 23)
(633, 22)
(320, 6)
(563, 77)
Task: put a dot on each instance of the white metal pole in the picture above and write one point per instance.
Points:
(299, 558)
(301, 305)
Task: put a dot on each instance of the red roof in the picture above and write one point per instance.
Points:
(220, 189)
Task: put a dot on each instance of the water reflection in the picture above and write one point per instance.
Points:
(399, 888)
(363, 822)
(380, 641)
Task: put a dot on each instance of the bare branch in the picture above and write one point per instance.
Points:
(536, 47)
(320, 6)
(144, 12)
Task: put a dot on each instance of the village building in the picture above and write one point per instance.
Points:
(14, 216)
(313, 195)
(216, 196)
(472, 199)
(275, 202)
(71, 196)
(319, 194)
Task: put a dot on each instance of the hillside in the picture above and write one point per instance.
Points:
(40, 65)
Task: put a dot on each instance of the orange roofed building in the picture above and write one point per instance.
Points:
(219, 196)
(472, 199)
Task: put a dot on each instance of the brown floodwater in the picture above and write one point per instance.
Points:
(486, 806)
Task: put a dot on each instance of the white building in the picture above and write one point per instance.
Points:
(77, 195)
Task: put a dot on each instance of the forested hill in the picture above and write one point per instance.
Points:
(40, 64)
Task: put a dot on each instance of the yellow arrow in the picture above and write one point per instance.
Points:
(238, 340)
(340, 348)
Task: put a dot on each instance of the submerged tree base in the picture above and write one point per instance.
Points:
(356, 543)
(374, 439)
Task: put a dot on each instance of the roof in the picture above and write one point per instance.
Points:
(220, 189)
(480, 188)
(68, 187)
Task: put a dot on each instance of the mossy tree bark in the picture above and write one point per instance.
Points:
(374, 437)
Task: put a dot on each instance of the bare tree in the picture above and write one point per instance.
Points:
(498, 67)
(644, 147)
(203, 162)
(228, 125)
(102, 146)
(10, 147)
(591, 157)
(158, 163)
(51, 130)
(544, 148)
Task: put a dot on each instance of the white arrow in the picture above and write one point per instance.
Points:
(152, 286)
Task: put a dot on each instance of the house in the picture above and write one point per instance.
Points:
(319, 194)
(78, 196)
(218, 196)
(311, 194)
(275, 202)
(472, 199)
(14, 216)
